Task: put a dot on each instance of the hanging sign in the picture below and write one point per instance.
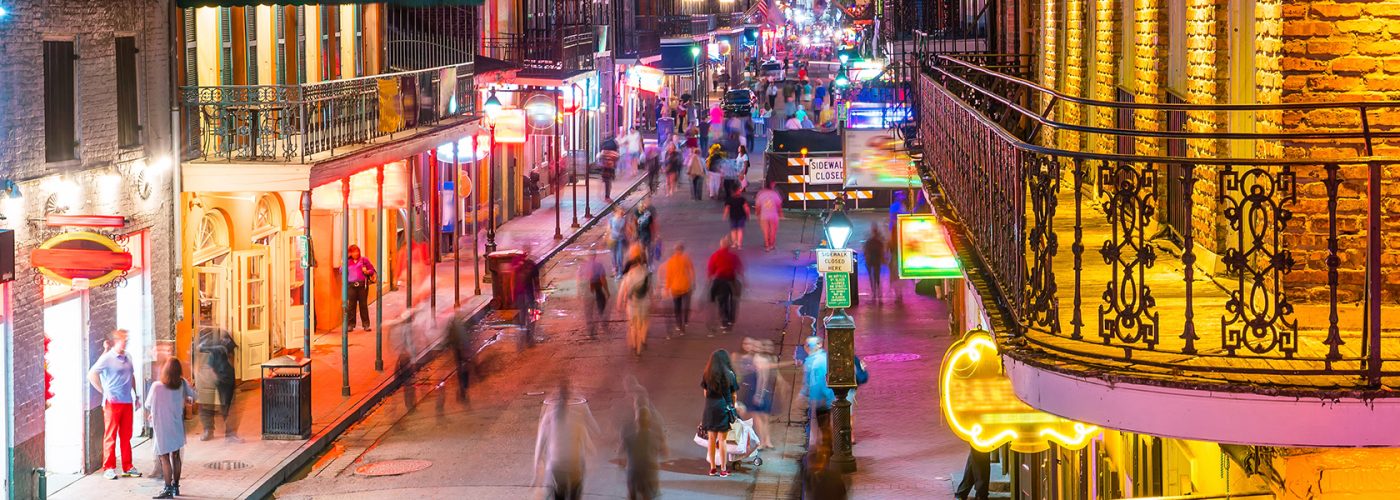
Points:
(835, 260)
(838, 290)
(646, 78)
(826, 170)
(923, 248)
(81, 258)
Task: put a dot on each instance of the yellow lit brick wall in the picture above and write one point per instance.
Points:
(1050, 59)
(1207, 82)
(1326, 474)
(1106, 47)
(1339, 52)
(1074, 69)
(1150, 70)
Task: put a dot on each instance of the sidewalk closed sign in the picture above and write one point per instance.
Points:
(838, 290)
(835, 261)
(826, 170)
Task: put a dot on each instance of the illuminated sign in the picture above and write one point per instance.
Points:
(364, 189)
(646, 78)
(924, 250)
(81, 259)
(982, 409)
(510, 126)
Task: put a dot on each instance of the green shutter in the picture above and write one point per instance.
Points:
(226, 46)
(281, 35)
(251, 30)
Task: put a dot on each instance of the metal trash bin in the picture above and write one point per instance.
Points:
(499, 264)
(286, 398)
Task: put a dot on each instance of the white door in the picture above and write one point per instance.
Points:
(292, 294)
(65, 431)
(133, 313)
(251, 332)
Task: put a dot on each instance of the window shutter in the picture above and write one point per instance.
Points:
(281, 35)
(250, 19)
(60, 129)
(128, 113)
(301, 44)
(191, 52)
(226, 45)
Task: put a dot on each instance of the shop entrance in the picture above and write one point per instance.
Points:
(134, 315)
(65, 422)
(251, 305)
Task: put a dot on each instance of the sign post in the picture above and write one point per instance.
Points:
(838, 290)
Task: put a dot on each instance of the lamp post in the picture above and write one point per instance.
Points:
(573, 161)
(492, 107)
(840, 340)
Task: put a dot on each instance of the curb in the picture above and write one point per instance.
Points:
(318, 443)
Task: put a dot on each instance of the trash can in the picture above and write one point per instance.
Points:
(286, 398)
(499, 264)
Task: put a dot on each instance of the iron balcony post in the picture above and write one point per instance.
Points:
(379, 268)
(345, 309)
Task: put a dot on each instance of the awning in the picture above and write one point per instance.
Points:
(246, 3)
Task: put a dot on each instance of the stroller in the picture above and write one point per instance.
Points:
(739, 444)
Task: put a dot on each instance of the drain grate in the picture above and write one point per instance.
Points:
(227, 465)
(894, 357)
(392, 467)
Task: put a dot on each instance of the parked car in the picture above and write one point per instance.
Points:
(738, 102)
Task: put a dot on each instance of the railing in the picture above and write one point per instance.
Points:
(1278, 280)
(644, 40)
(313, 121)
(506, 48)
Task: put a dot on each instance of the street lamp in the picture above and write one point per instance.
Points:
(841, 350)
(842, 78)
(492, 107)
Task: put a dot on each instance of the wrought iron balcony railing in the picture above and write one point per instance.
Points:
(1236, 273)
(315, 121)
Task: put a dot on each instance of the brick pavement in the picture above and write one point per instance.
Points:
(264, 464)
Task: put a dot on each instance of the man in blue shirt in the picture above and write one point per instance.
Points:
(819, 395)
(114, 377)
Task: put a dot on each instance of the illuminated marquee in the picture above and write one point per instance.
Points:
(924, 250)
(981, 408)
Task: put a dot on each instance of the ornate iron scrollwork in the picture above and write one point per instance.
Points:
(1334, 261)
(1258, 312)
(1042, 297)
(1127, 314)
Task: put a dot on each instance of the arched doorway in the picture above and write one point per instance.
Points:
(272, 234)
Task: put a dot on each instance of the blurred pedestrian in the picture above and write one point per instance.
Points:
(724, 270)
(165, 406)
(643, 446)
(819, 395)
(893, 263)
(678, 274)
(215, 381)
(652, 162)
(736, 211)
(607, 168)
(674, 162)
(818, 480)
(562, 446)
(618, 237)
(593, 286)
(769, 205)
(457, 334)
(645, 217)
(113, 375)
(765, 386)
(976, 474)
(634, 295)
(527, 288)
(720, 384)
(874, 250)
(714, 165)
(695, 168)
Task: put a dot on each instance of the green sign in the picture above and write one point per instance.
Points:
(838, 290)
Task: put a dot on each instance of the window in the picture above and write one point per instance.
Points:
(60, 110)
(128, 112)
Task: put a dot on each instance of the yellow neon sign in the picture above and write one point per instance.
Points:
(982, 409)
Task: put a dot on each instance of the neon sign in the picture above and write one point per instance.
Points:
(982, 409)
(924, 250)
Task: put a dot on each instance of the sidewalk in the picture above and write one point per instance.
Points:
(252, 468)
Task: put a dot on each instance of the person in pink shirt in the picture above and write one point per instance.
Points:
(769, 205)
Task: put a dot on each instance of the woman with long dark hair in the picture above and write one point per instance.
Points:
(719, 384)
(165, 403)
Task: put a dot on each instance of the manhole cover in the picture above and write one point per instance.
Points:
(894, 357)
(227, 465)
(571, 401)
(392, 467)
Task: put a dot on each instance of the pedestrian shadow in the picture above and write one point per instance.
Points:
(697, 466)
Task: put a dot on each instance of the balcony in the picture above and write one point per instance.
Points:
(317, 122)
(686, 25)
(643, 41)
(1244, 300)
(568, 48)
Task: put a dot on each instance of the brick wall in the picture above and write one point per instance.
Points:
(1339, 52)
(1075, 71)
(1050, 60)
(103, 174)
(1106, 46)
(1339, 474)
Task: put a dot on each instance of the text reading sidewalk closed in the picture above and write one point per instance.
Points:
(826, 170)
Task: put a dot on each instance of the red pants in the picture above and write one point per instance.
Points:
(117, 422)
